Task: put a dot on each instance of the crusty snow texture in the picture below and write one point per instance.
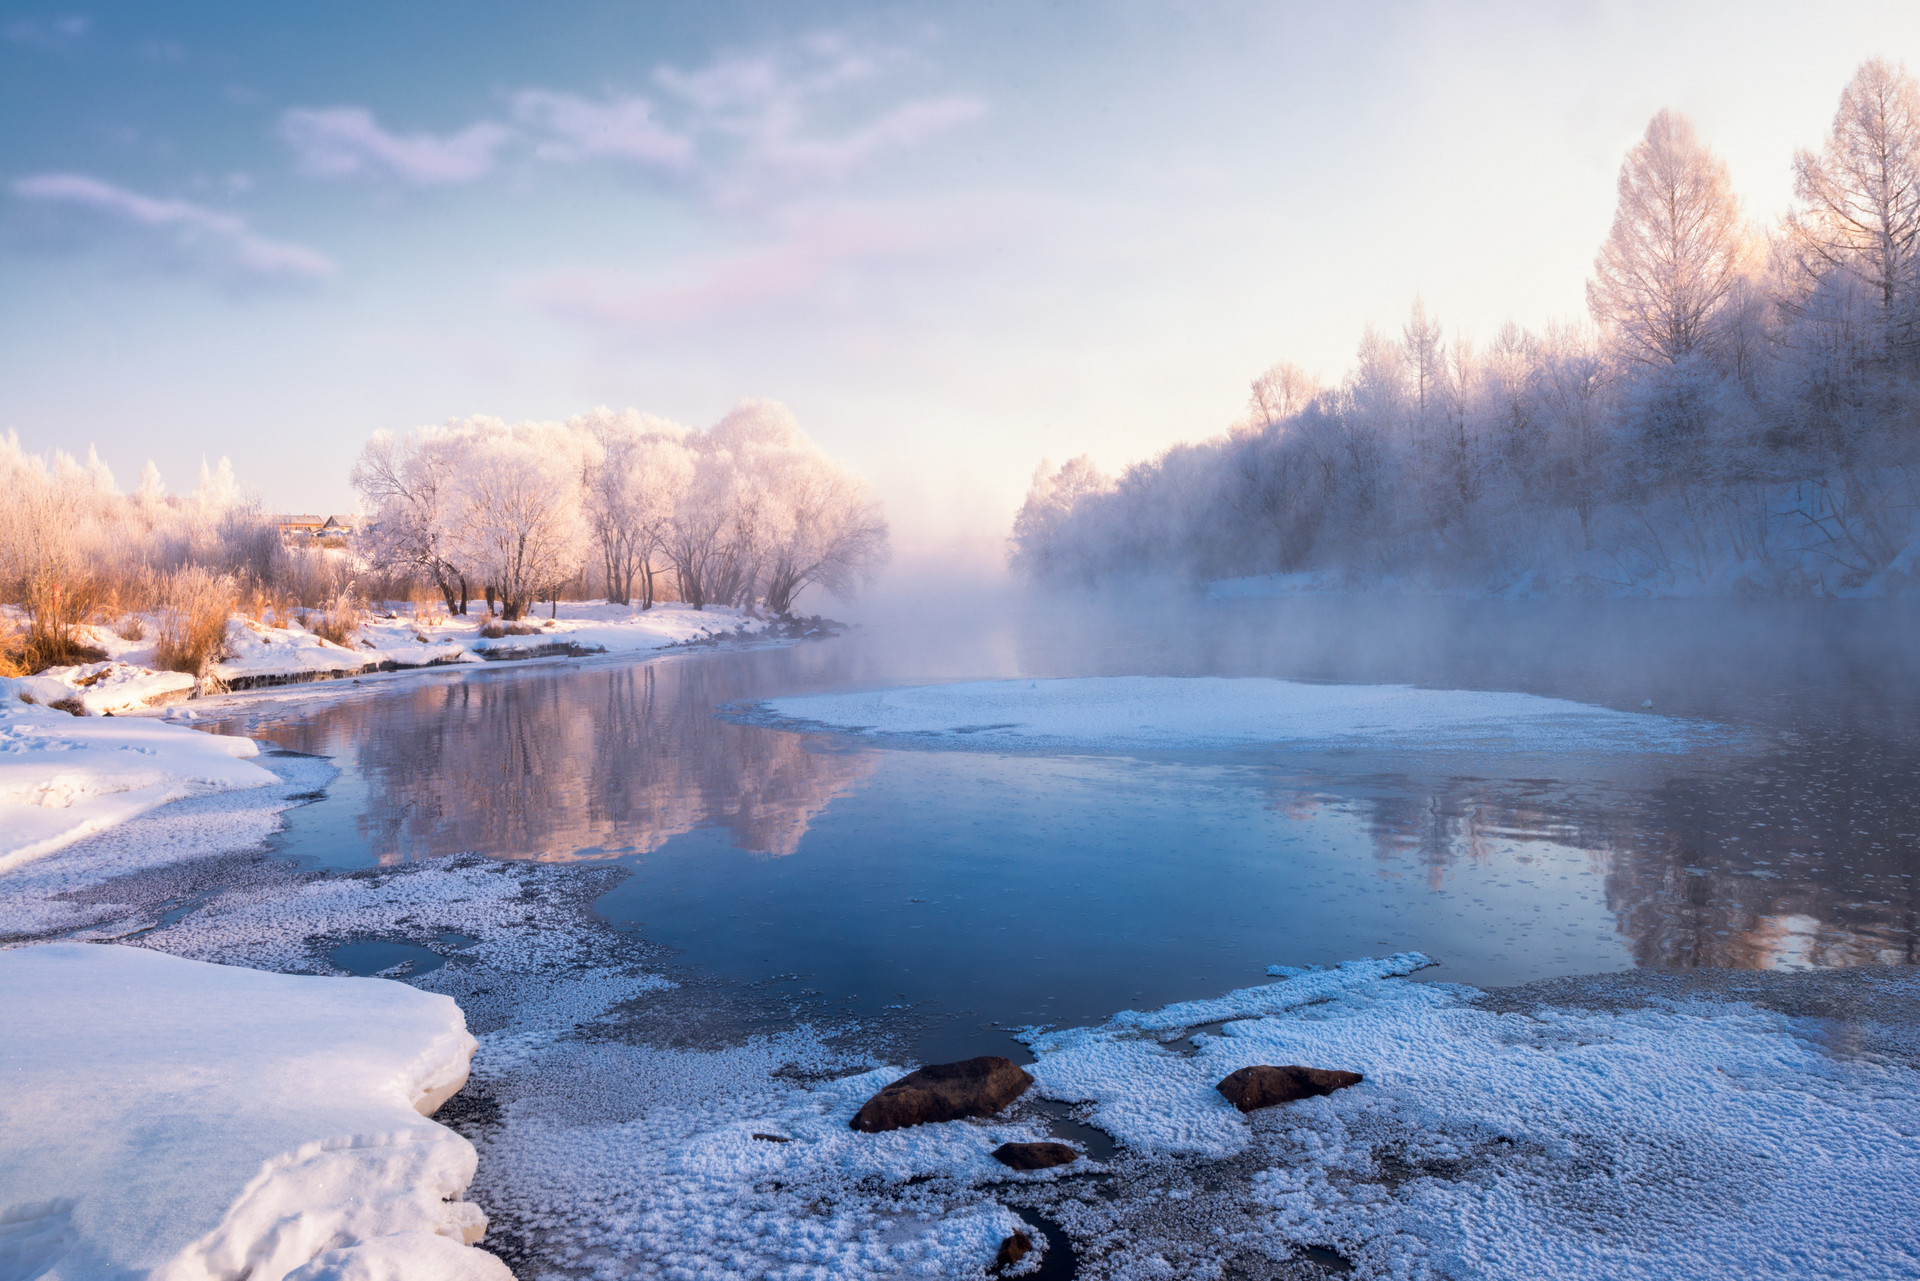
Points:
(170, 1119)
(63, 778)
(1669, 1142)
(1174, 712)
(630, 1160)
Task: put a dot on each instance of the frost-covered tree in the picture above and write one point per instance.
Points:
(411, 530)
(1860, 197)
(517, 510)
(629, 496)
(1677, 248)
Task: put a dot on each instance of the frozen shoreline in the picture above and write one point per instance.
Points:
(614, 1112)
(209, 1121)
(261, 655)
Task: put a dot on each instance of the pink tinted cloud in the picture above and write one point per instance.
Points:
(623, 128)
(227, 236)
(342, 142)
(736, 282)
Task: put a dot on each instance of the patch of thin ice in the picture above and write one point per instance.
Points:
(1178, 712)
(205, 1121)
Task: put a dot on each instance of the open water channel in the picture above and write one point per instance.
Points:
(955, 894)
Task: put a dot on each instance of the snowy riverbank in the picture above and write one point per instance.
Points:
(66, 777)
(258, 654)
(207, 1121)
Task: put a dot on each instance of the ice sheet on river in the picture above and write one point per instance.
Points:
(166, 1118)
(1173, 712)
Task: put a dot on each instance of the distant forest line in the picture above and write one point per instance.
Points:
(1739, 415)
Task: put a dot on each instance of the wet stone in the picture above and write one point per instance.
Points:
(1263, 1085)
(1034, 1156)
(1012, 1250)
(944, 1092)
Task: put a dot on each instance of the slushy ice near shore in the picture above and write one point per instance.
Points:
(1184, 712)
(1659, 1138)
(207, 1121)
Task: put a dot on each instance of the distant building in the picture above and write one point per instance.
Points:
(309, 525)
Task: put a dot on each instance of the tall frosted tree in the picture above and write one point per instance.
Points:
(1678, 247)
(1861, 195)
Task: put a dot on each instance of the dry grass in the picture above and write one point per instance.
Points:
(338, 621)
(193, 620)
(495, 630)
(131, 628)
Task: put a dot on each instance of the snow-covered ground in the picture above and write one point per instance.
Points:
(258, 653)
(205, 1121)
(1172, 712)
(65, 777)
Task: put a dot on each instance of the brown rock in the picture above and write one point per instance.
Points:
(944, 1092)
(1012, 1250)
(1034, 1156)
(1262, 1086)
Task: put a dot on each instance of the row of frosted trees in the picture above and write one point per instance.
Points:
(1741, 413)
(747, 513)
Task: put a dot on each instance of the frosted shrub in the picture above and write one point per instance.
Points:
(192, 628)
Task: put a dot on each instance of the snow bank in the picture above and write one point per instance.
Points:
(1678, 1141)
(170, 1119)
(258, 653)
(64, 777)
(1169, 712)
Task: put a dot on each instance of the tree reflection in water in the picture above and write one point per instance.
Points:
(568, 764)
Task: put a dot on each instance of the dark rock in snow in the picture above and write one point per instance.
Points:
(1034, 1156)
(1262, 1085)
(944, 1092)
(1012, 1250)
(773, 1138)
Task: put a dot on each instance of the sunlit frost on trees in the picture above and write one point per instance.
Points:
(1742, 414)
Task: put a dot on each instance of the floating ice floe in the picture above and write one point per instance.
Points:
(1174, 712)
(66, 777)
(166, 1118)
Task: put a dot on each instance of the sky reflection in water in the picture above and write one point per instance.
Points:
(1009, 888)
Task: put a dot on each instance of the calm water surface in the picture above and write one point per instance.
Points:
(971, 891)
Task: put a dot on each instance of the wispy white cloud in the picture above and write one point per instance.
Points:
(760, 115)
(345, 142)
(49, 33)
(575, 128)
(223, 239)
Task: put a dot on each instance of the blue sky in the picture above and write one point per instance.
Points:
(954, 238)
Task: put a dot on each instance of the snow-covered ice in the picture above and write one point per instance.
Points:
(66, 777)
(206, 1121)
(1171, 712)
(1678, 1141)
